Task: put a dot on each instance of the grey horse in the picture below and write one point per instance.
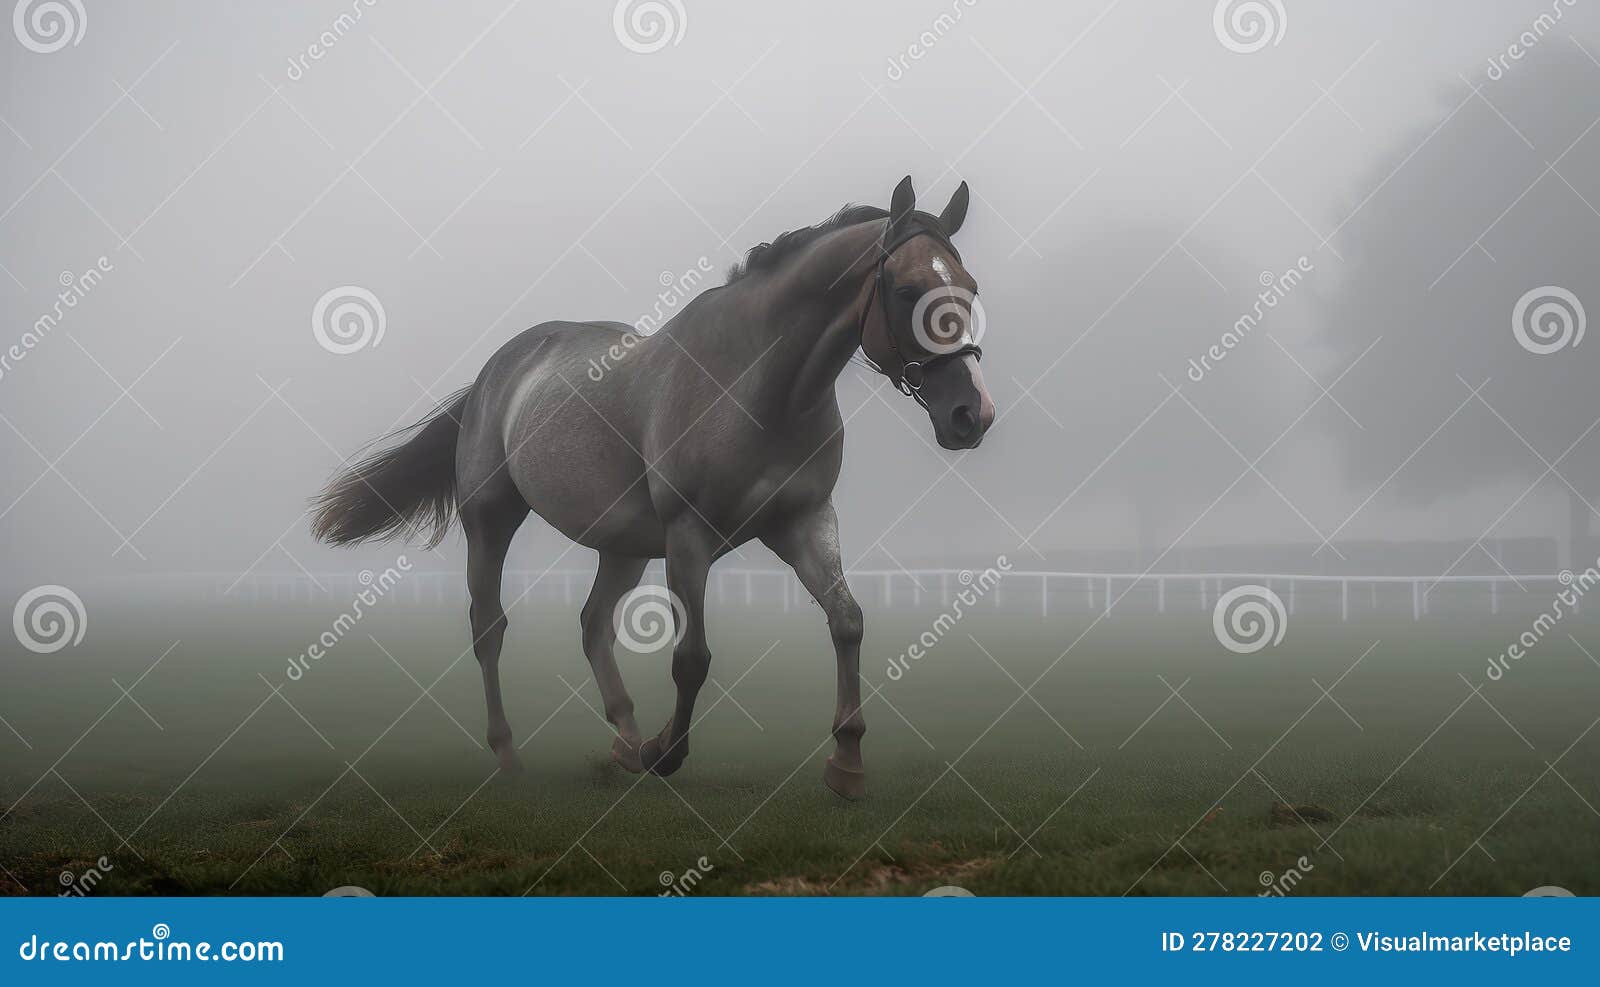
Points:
(721, 427)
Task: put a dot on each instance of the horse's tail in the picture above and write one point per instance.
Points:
(405, 489)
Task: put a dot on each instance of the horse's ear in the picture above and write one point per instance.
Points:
(901, 205)
(955, 213)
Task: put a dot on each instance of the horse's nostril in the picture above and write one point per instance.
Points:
(964, 422)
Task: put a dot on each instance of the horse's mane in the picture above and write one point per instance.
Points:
(763, 256)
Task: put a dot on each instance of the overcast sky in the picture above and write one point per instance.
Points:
(479, 167)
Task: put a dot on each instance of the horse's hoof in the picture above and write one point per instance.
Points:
(847, 784)
(627, 755)
(658, 762)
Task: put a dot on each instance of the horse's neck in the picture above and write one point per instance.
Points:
(809, 314)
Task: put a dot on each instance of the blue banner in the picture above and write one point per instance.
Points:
(722, 940)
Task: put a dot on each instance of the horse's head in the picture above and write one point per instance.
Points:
(924, 332)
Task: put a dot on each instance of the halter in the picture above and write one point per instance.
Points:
(908, 378)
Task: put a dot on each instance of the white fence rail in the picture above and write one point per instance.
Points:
(1048, 591)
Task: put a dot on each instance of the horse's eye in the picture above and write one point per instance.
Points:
(907, 292)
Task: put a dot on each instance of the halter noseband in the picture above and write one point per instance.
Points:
(909, 376)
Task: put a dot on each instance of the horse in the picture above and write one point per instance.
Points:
(721, 427)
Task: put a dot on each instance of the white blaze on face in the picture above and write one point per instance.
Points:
(942, 270)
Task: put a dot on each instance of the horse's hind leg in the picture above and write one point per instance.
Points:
(489, 524)
(616, 576)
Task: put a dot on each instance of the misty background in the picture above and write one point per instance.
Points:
(482, 167)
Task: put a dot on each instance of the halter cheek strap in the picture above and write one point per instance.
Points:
(908, 375)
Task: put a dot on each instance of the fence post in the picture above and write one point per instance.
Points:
(1416, 600)
(1291, 596)
(1044, 595)
(1204, 599)
(1494, 595)
(1108, 596)
(1161, 595)
(1344, 599)
(888, 590)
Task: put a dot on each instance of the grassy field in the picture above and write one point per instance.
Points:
(205, 781)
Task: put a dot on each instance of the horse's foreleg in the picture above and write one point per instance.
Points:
(617, 575)
(811, 546)
(690, 552)
(489, 529)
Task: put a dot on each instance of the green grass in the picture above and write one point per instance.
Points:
(1424, 797)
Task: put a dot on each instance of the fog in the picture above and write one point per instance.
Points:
(202, 174)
